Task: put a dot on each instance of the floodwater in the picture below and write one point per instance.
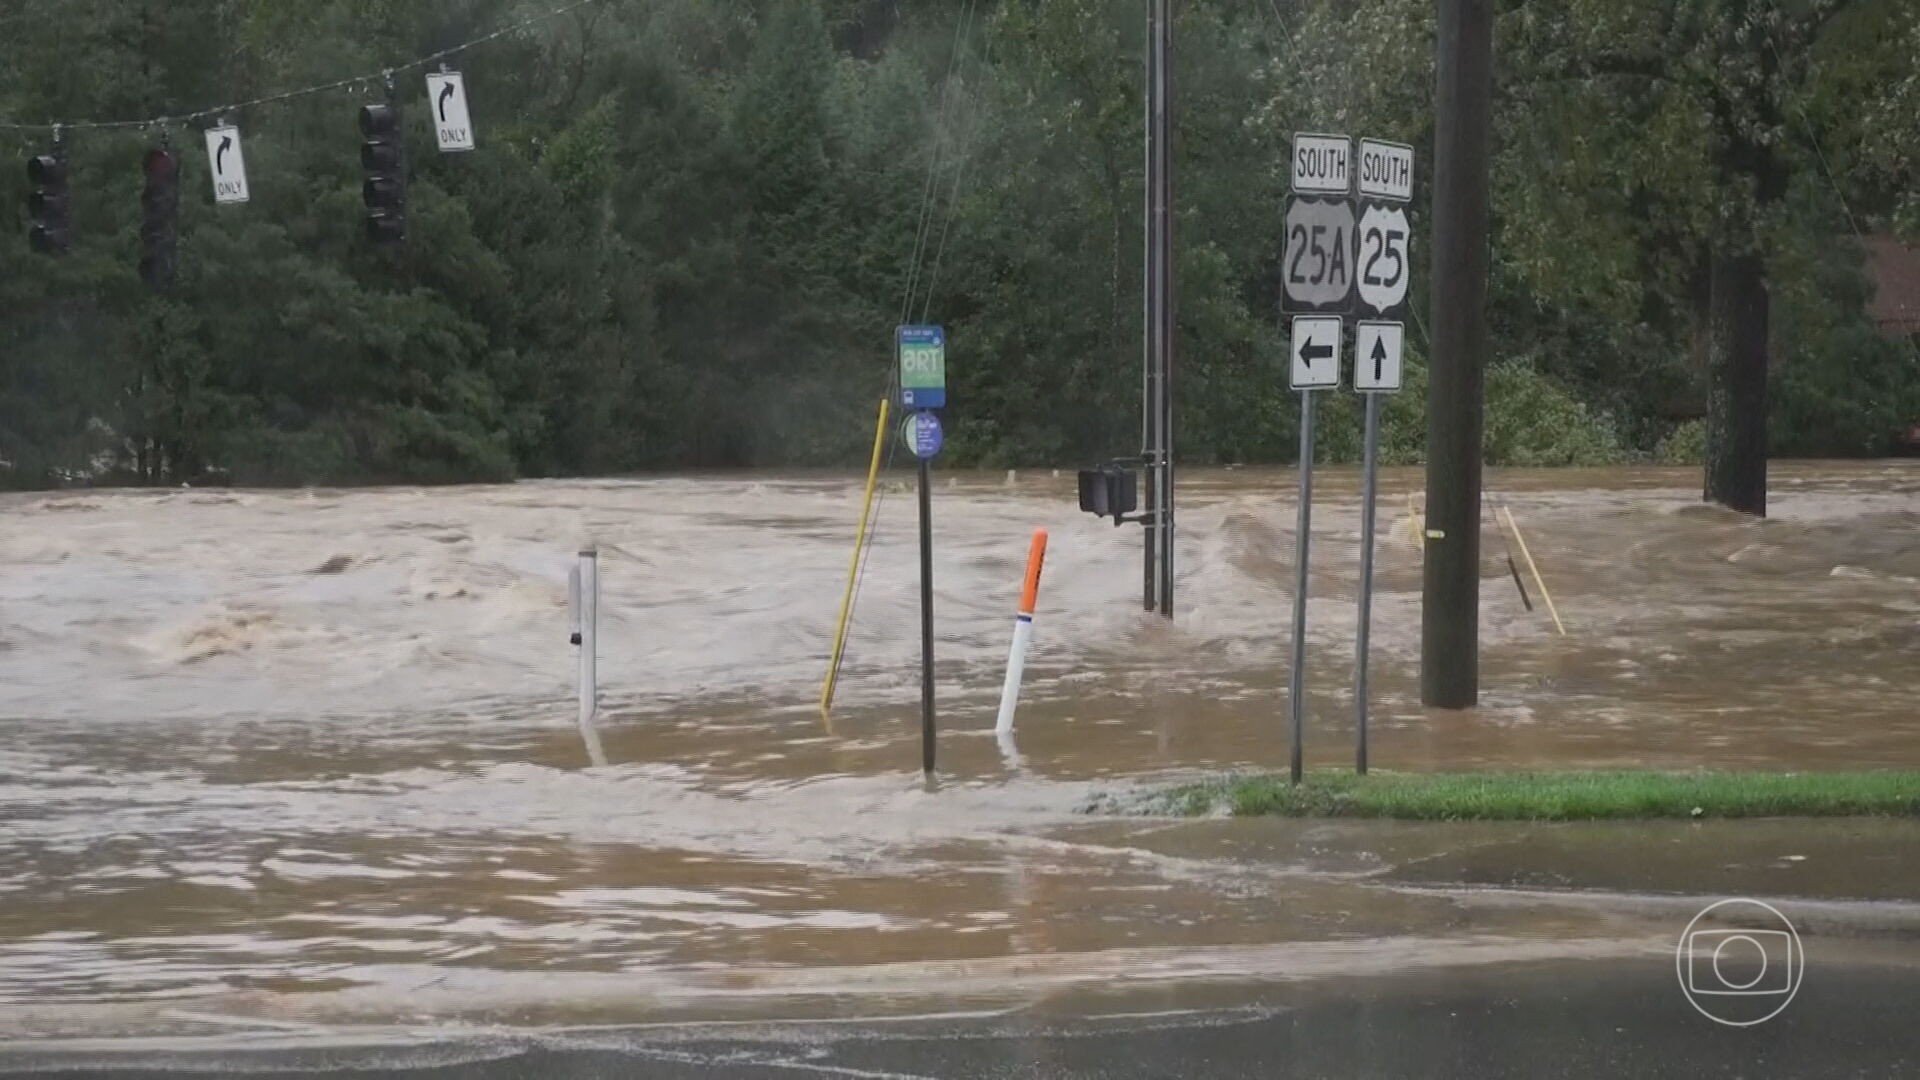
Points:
(309, 757)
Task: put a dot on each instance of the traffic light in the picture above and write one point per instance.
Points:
(50, 204)
(1111, 490)
(160, 218)
(383, 158)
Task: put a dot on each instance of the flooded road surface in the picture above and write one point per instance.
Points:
(298, 758)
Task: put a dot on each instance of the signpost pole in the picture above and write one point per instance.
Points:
(1385, 236)
(1367, 493)
(1296, 679)
(1164, 279)
(923, 386)
(1318, 280)
(926, 618)
(1158, 323)
(1149, 316)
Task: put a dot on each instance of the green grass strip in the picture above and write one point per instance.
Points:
(1553, 796)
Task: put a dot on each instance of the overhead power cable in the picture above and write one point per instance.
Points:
(959, 173)
(922, 239)
(929, 196)
(217, 111)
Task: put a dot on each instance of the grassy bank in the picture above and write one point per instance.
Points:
(1554, 796)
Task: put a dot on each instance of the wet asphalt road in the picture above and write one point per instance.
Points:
(1623, 1019)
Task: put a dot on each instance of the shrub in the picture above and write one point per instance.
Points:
(1532, 420)
(1685, 445)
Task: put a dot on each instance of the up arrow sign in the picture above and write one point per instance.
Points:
(1380, 344)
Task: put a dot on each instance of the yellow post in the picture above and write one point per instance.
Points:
(1535, 571)
(853, 571)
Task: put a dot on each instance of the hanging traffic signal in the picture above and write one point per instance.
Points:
(1111, 490)
(160, 218)
(50, 204)
(384, 161)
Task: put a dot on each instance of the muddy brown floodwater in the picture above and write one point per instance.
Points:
(308, 757)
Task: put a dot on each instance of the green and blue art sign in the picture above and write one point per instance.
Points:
(923, 366)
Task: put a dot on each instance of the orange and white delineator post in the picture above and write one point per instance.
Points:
(1022, 632)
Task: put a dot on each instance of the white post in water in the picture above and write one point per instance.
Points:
(573, 605)
(1022, 633)
(585, 589)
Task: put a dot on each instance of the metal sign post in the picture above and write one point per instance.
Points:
(1159, 322)
(923, 434)
(1296, 677)
(1319, 255)
(1376, 371)
(1315, 366)
(1377, 368)
(1366, 585)
(926, 608)
(1384, 235)
(923, 385)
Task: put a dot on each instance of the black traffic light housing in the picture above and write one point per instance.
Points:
(50, 204)
(160, 218)
(383, 158)
(1111, 490)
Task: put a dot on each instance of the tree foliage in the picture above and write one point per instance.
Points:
(691, 226)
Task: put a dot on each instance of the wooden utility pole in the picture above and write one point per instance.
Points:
(1456, 401)
(1736, 473)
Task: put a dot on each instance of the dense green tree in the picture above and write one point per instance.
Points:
(1693, 178)
(691, 226)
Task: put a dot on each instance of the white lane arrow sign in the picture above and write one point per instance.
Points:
(1377, 348)
(229, 167)
(1315, 352)
(452, 127)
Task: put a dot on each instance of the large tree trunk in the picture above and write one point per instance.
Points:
(1737, 384)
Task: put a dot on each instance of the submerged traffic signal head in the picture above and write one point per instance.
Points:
(160, 217)
(383, 159)
(1109, 491)
(50, 204)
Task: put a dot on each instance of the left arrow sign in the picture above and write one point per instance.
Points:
(1316, 352)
